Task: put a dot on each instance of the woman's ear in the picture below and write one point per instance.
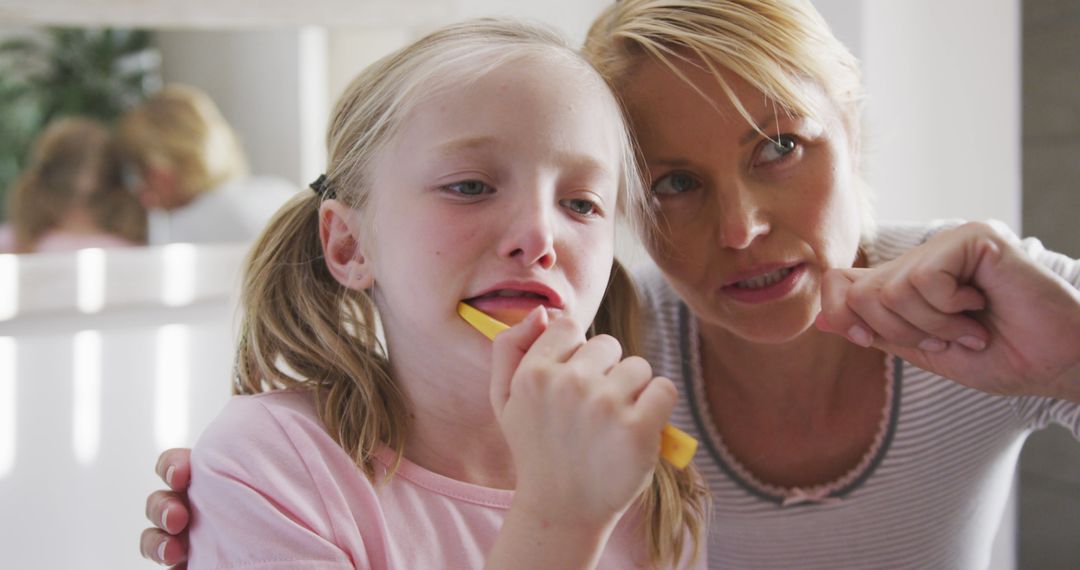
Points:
(343, 245)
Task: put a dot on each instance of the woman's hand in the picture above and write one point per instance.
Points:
(583, 425)
(167, 543)
(969, 305)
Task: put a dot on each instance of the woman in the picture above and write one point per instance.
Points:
(187, 167)
(821, 450)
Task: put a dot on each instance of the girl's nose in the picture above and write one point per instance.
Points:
(530, 239)
(742, 218)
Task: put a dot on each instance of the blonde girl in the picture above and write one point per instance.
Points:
(891, 448)
(485, 163)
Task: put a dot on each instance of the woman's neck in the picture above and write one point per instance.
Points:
(801, 376)
(799, 414)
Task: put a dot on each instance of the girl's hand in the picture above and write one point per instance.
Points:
(583, 423)
(167, 543)
(969, 305)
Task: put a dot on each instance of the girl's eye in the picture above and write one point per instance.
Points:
(469, 188)
(675, 183)
(773, 150)
(580, 206)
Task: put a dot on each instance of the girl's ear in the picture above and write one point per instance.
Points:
(343, 246)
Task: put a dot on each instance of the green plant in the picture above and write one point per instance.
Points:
(50, 73)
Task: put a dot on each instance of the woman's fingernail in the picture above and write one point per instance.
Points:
(972, 342)
(932, 344)
(165, 520)
(169, 474)
(161, 550)
(860, 336)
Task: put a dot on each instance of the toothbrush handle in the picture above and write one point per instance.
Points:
(676, 446)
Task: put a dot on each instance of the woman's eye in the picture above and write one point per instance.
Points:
(773, 150)
(469, 188)
(675, 183)
(580, 206)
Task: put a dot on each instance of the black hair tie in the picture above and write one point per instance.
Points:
(320, 186)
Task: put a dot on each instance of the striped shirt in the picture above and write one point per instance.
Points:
(929, 495)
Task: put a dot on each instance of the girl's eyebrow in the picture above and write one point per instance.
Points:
(465, 143)
(578, 161)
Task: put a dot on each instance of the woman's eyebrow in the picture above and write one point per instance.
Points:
(755, 133)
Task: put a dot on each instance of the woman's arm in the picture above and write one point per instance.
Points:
(166, 543)
(971, 305)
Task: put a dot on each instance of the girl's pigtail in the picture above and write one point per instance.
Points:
(302, 329)
(674, 505)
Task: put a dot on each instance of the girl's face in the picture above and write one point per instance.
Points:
(500, 192)
(751, 224)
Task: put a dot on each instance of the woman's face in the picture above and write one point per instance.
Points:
(748, 225)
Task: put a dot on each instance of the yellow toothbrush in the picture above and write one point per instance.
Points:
(676, 446)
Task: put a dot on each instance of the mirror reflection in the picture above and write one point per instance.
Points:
(206, 133)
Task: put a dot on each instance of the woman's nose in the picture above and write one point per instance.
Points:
(530, 237)
(742, 218)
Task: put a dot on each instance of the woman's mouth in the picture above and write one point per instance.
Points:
(765, 286)
(763, 280)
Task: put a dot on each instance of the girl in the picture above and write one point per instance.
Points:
(894, 449)
(71, 195)
(467, 167)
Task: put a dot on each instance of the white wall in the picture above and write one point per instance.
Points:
(107, 357)
(942, 131)
(255, 78)
(944, 108)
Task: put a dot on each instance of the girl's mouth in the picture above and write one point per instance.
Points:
(510, 306)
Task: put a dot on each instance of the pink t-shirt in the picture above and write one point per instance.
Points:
(271, 490)
(63, 241)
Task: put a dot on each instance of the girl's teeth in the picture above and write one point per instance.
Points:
(763, 280)
(512, 293)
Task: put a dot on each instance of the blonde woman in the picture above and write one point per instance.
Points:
(184, 162)
(888, 445)
(467, 167)
(71, 196)
(891, 446)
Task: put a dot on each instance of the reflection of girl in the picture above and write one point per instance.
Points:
(185, 164)
(468, 167)
(820, 452)
(70, 196)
